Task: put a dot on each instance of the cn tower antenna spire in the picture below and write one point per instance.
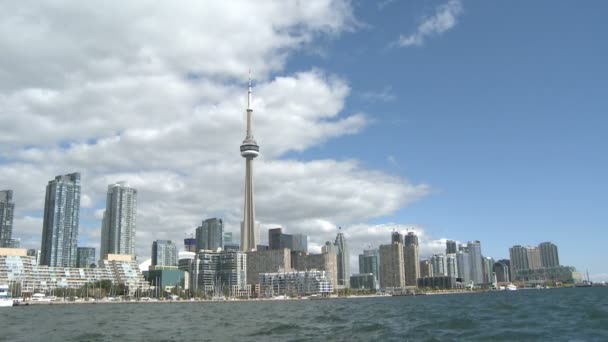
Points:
(249, 96)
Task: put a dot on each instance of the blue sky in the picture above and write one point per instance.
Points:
(504, 115)
(467, 120)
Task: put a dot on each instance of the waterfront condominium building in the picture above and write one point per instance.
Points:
(392, 267)
(501, 270)
(267, 261)
(474, 248)
(343, 256)
(450, 247)
(439, 266)
(488, 270)
(190, 245)
(85, 257)
(397, 237)
(534, 261)
(451, 265)
(119, 221)
(411, 259)
(164, 253)
(210, 235)
(426, 268)
(294, 242)
(463, 265)
(369, 263)
(60, 222)
(326, 261)
(548, 255)
(519, 259)
(7, 208)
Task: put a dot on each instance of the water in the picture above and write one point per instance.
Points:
(533, 315)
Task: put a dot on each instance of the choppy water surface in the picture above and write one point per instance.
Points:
(532, 315)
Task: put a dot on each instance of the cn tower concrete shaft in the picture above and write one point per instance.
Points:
(249, 151)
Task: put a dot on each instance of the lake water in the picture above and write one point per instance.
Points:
(579, 314)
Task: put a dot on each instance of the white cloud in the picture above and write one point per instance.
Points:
(154, 95)
(384, 95)
(444, 19)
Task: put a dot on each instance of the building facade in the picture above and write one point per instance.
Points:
(463, 265)
(439, 266)
(267, 261)
(326, 261)
(119, 221)
(369, 262)
(190, 245)
(474, 248)
(411, 259)
(549, 256)
(215, 273)
(164, 253)
(392, 267)
(450, 247)
(85, 257)
(210, 235)
(60, 222)
(501, 269)
(363, 281)
(295, 283)
(7, 209)
(294, 242)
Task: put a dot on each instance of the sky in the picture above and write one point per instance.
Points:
(464, 120)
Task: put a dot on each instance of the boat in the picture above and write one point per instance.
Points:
(511, 287)
(6, 299)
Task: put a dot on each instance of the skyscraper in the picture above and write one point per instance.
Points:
(294, 242)
(548, 255)
(190, 244)
(476, 264)
(397, 237)
(463, 265)
(411, 259)
(249, 150)
(164, 253)
(488, 270)
(450, 247)
(451, 265)
(119, 221)
(534, 262)
(7, 208)
(392, 268)
(60, 223)
(519, 260)
(369, 263)
(85, 257)
(439, 266)
(343, 260)
(210, 235)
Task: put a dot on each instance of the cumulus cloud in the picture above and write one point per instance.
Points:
(444, 19)
(154, 95)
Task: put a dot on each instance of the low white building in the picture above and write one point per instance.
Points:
(295, 283)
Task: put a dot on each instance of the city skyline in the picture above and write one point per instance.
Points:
(368, 120)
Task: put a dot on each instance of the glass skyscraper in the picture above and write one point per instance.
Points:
(210, 235)
(85, 257)
(60, 223)
(119, 221)
(474, 248)
(164, 253)
(343, 260)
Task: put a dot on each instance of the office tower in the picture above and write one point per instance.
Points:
(249, 150)
(451, 265)
(474, 248)
(294, 242)
(450, 247)
(439, 267)
(119, 221)
(60, 223)
(274, 238)
(190, 245)
(343, 260)
(411, 259)
(463, 265)
(488, 270)
(548, 255)
(85, 257)
(7, 209)
(501, 269)
(397, 237)
(534, 262)
(426, 268)
(369, 263)
(392, 267)
(164, 253)
(210, 235)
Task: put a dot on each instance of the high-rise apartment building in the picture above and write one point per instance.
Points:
(463, 265)
(343, 256)
(267, 261)
(119, 221)
(501, 270)
(392, 268)
(60, 223)
(439, 266)
(450, 247)
(326, 261)
(190, 245)
(451, 265)
(548, 255)
(85, 257)
(534, 261)
(411, 259)
(397, 237)
(164, 253)
(294, 242)
(426, 268)
(210, 235)
(474, 248)
(7, 209)
(488, 270)
(519, 259)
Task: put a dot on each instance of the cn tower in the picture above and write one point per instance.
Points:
(249, 150)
